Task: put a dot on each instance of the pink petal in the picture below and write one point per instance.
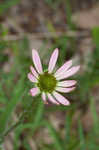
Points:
(63, 68)
(61, 98)
(44, 97)
(51, 99)
(69, 73)
(34, 71)
(53, 60)
(64, 90)
(37, 61)
(67, 83)
(32, 78)
(34, 91)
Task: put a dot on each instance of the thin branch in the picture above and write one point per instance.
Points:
(78, 34)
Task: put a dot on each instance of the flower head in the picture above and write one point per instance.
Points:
(48, 83)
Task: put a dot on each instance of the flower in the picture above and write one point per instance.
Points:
(49, 83)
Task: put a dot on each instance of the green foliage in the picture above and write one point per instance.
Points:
(18, 93)
(95, 35)
(81, 136)
(92, 69)
(33, 118)
(4, 6)
(94, 115)
(56, 137)
(69, 15)
(32, 114)
(68, 124)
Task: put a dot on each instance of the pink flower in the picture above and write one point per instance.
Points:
(48, 83)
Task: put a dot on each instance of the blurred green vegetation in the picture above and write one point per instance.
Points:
(14, 89)
(4, 6)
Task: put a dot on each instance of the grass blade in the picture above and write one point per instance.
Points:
(56, 137)
(81, 136)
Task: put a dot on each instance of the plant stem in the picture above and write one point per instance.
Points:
(12, 127)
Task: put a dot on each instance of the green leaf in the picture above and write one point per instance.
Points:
(95, 35)
(94, 115)
(81, 136)
(56, 137)
(68, 124)
(69, 15)
(34, 114)
(18, 93)
(18, 131)
(26, 145)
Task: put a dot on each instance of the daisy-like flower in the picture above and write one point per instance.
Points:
(49, 83)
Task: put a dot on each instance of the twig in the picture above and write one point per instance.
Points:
(78, 34)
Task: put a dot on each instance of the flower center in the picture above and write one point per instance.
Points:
(47, 82)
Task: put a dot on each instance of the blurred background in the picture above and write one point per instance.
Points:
(73, 27)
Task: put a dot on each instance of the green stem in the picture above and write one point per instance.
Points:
(12, 128)
(21, 119)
